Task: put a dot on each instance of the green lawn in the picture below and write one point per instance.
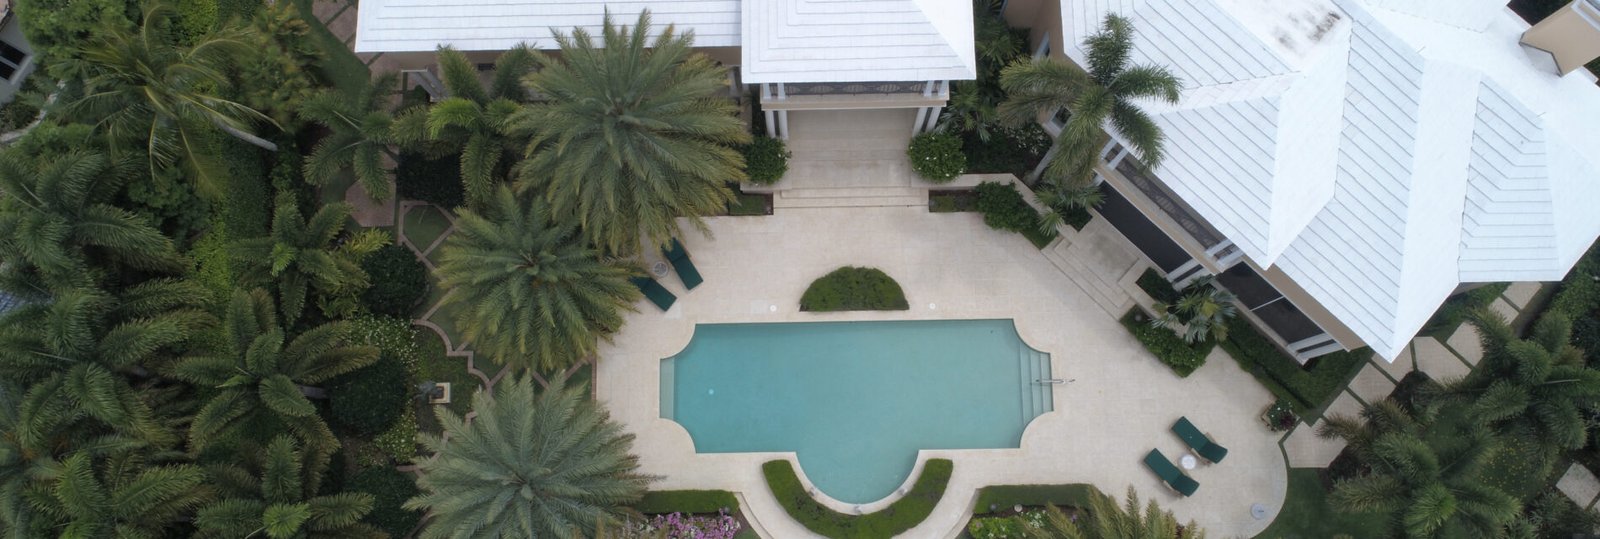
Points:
(436, 367)
(1307, 515)
(424, 224)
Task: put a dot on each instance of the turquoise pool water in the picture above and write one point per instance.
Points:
(855, 400)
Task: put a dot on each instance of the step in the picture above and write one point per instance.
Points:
(847, 154)
(851, 202)
(853, 192)
(849, 141)
(1108, 296)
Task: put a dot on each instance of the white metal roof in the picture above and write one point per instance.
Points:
(1404, 146)
(780, 40)
(857, 40)
(497, 25)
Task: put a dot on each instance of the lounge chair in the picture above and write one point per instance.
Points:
(653, 290)
(1169, 473)
(679, 257)
(1198, 441)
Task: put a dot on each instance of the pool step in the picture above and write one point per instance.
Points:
(1036, 397)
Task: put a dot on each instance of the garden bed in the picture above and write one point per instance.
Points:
(890, 521)
(750, 204)
(952, 200)
(1167, 346)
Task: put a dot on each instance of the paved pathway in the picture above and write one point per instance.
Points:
(1580, 485)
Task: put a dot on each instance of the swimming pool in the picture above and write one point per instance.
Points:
(855, 400)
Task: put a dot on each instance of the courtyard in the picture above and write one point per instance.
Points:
(1119, 405)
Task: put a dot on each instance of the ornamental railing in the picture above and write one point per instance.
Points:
(855, 88)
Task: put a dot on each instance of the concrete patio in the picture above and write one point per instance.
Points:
(952, 266)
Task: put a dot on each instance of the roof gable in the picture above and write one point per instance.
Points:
(497, 25)
(857, 40)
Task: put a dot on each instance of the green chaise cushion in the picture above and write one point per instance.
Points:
(1201, 443)
(1170, 473)
(679, 257)
(655, 292)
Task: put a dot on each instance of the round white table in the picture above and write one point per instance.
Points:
(1188, 462)
(659, 269)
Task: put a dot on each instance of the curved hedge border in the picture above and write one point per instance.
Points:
(854, 289)
(893, 520)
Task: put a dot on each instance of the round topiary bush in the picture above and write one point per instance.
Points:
(390, 488)
(398, 280)
(937, 156)
(766, 159)
(370, 399)
(854, 289)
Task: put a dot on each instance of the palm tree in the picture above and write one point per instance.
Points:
(265, 379)
(1107, 520)
(1062, 200)
(359, 135)
(532, 294)
(58, 216)
(275, 499)
(530, 464)
(78, 352)
(304, 256)
(125, 495)
(28, 465)
(1424, 473)
(635, 133)
(1105, 93)
(139, 86)
(1202, 313)
(474, 120)
(1538, 389)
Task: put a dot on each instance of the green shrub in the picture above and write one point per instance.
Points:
(1307, 387)
(854, 289)
(213, 265)
(369, 400)
(196, 18)
(1586, 336)
(1455, 309)
(661, 502)
(398, 280)
(1004, 208)
(1159, 288)
(937, 156)
(399, 442)
(169, 202)
(1009, 150)
(437, 181)
(898, 517)
(248, 207)
(1003, 497)
(57, 28)
(995, 528)
(1167, 346)
(390, 488)
(766, 159)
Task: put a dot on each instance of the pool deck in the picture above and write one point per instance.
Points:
(952, 266)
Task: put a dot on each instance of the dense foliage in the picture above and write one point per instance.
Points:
(766, 159)
(435, 180)
(1004, 208)
(389, 489)
(1183, 356)
(904, 514)
(854, 289)
(399, 281)
(937, 156)
(370, 399)
(658, 502)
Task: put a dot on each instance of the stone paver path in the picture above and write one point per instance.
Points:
(1505, 308)
(1519, 294)
(1439, 362)
(1371, 384)
(1467, 343)
(1307, 450)
(1580, 485)
(1401, 366)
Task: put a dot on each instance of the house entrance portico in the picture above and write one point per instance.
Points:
(779, 98)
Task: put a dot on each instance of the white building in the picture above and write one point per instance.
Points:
(1346, 165)
(16, 56)
(799, 54)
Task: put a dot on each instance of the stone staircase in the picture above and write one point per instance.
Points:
(849, 159)
(846, 197)
(1084, 264)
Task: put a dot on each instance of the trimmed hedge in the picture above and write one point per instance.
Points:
(390, 489)
(398, 280)
(1167, 346)
(766, 159)
(661, 502)
(437, 181)
(1306, 387)
(1004, 208)
(900, 516)
(1159, 288)
(854, 289)
(370, 399)
(937, 156)
(1003, 497)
